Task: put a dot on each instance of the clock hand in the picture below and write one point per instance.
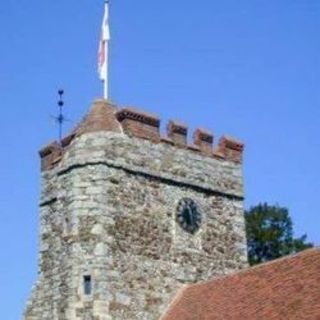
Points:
(190, 216)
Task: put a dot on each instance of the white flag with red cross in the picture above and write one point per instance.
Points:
(103, 50)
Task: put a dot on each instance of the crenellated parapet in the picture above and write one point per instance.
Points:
(139, 124)
(231, 149)
(104, 116)
(50, 155)
(178, 133)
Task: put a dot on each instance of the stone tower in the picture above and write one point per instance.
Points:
(127, 217)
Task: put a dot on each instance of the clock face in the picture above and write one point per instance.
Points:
(188, 215)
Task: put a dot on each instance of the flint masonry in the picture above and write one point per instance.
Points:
(127, 217)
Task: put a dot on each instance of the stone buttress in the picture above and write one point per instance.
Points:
(112, 243)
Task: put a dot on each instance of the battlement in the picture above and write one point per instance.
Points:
(139, 124)
(50, 155)
(104, 116)
(178, 133)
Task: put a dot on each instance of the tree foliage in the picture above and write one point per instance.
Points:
(270, 234)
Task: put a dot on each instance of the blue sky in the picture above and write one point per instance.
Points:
(249, 68)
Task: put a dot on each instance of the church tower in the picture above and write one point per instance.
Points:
(127, 217)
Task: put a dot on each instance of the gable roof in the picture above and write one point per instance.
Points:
(288, 288)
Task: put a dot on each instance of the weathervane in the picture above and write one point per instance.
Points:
(60, 119)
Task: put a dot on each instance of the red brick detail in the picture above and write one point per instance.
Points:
(139, 124)
(177, 132)
(167, 141)
(193, 148)
(50, 156)
(230, 149)
(67, 140)
(204, 140)
(218, 154)
(104, 116)
(101, 117)
(287, 288)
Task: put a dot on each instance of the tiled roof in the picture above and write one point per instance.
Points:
(101, 117)
(288, 289)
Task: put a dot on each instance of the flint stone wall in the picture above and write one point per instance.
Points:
(108, 211)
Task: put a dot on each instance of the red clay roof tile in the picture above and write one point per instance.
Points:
(288, 289)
